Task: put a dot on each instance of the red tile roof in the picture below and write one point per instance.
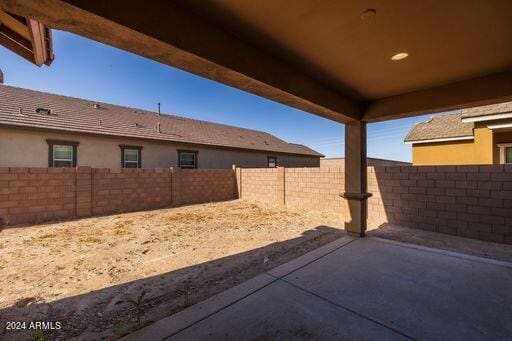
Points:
(18, 107)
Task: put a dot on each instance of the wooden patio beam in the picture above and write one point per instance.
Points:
(25, 37)
(14, 24)
(38, 39)
(16, 43)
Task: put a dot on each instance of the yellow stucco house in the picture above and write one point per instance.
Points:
(480, 135)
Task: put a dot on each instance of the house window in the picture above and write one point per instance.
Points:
(508, 155)
(505, 152)
(187, 158)
(62, 153)
(271, 162)
(131, 156)
(62, 156)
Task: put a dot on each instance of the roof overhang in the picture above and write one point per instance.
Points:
(445, 139)
(324, 57)
(31, 127)
(483, 118)
(500, 126)
(26, 37)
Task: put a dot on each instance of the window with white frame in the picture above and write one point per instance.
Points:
(505, 152)
(62, 153)
(187, 159)
(62, 156)
(131, 156)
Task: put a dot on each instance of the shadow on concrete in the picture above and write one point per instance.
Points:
(474, 247)
(106, 313)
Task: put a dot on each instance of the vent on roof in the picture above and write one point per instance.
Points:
(45, 111)
(96, 106)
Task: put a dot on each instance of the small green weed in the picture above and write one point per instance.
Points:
(140, 307)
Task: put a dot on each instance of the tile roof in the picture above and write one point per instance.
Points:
(18, 108)
(437, 127)
(451, 125)
(487, 110)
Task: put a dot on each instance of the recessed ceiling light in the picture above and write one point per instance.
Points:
(400, 56)
(369, 13)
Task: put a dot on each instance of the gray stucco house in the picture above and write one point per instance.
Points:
(39, 129)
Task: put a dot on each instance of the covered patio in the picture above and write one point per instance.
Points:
(354, 62)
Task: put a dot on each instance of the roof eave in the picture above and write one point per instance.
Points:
(491, 117)
(442, 139)
(73, 131)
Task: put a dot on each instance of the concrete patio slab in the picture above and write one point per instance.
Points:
(284, 312)
(366, 288)
(202, 310)
(422, 292)
(309, 257)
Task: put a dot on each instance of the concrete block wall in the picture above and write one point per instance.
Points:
(468, 201)
(36, 194)
(33, 195)
(205, 185)
(314, 188)
(124, 190)
(261, 185)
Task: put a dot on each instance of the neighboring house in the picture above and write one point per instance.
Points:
(371, 161)
(480, 135)
(38, 129)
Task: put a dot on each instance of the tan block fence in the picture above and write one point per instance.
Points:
(469, 201)
(311, 188)
(33, 195)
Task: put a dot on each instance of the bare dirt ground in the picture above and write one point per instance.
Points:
(84, 273)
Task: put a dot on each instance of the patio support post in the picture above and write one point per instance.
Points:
(356, 205)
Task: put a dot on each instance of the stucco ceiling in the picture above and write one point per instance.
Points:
(447, 41)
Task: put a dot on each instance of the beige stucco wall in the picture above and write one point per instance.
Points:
(481, 150)
(26, 148)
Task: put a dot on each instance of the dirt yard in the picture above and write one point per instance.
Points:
(84, 273)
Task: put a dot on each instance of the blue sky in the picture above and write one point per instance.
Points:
(88, 69)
